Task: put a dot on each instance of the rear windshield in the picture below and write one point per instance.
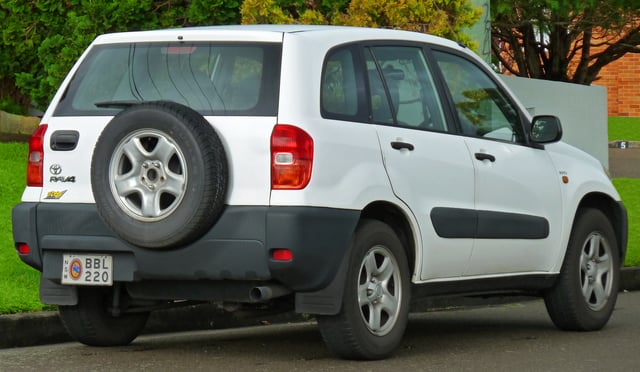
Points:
(213, 79)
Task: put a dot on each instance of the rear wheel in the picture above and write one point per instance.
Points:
(91, 323)
(587, 288)
(375, 306)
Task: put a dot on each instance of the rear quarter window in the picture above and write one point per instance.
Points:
(341, 95)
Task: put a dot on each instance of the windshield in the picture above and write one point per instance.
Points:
(213, 79)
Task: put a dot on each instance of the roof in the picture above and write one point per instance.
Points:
(269, 33)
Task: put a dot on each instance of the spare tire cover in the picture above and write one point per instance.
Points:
(159, 175)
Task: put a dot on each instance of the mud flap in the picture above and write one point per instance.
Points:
(52, 293)
(327, 301)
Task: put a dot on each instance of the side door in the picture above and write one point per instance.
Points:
(429, 168)
(517, 188)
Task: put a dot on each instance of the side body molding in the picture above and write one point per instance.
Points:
(458, 223)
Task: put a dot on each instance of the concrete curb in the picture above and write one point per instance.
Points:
(630, 279)
(40, 328)
(45, 327)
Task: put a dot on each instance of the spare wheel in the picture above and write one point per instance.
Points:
(159, 175)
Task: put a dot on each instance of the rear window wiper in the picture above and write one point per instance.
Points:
(117, 104)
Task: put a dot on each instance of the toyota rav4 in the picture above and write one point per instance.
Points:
(338, 172)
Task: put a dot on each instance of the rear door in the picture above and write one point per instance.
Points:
(428, 167)
(517, 189)
(233, 84)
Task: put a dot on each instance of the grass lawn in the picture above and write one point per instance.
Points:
(624, 129)
(19, 283)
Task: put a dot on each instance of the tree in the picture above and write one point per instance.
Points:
(41, 39)
(563, 40)
(445, 18)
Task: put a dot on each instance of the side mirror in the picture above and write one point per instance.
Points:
(546, 129)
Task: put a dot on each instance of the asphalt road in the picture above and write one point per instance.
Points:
(515, 337)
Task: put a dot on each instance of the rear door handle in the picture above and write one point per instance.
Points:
(64, 140)
(397, 145)
(485, 156)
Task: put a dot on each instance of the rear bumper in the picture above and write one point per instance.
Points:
(236, 248)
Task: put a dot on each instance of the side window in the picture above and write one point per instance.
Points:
(401, 88)
(339, 97)
(482, 107)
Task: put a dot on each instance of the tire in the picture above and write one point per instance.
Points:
(375, 304)
(159, 175)
(585, 293)
(90, 323)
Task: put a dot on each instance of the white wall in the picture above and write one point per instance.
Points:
(582, 110)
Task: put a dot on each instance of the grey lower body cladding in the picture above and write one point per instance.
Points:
(237, 249)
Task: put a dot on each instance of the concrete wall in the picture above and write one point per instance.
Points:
(581, 109)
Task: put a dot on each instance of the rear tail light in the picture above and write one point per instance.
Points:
(282, 254)
(291, 158)
(23, 248)
(36, 157)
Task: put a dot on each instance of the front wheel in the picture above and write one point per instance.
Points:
(375, 303)
(587, 288)
(91, 323)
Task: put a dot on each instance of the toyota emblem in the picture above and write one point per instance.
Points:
(55, 169)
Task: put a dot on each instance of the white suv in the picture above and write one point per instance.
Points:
(336, 171)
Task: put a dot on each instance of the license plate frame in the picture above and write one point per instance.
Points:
(87, 269)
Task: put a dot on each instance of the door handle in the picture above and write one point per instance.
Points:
(485, 156)
(397, 145)
(64, 140)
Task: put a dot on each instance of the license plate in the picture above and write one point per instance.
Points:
(87, 269)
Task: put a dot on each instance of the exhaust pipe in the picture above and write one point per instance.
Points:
(264, 293)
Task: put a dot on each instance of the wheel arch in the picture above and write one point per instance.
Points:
(615, 212)
(328, 301)
(397, 219)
